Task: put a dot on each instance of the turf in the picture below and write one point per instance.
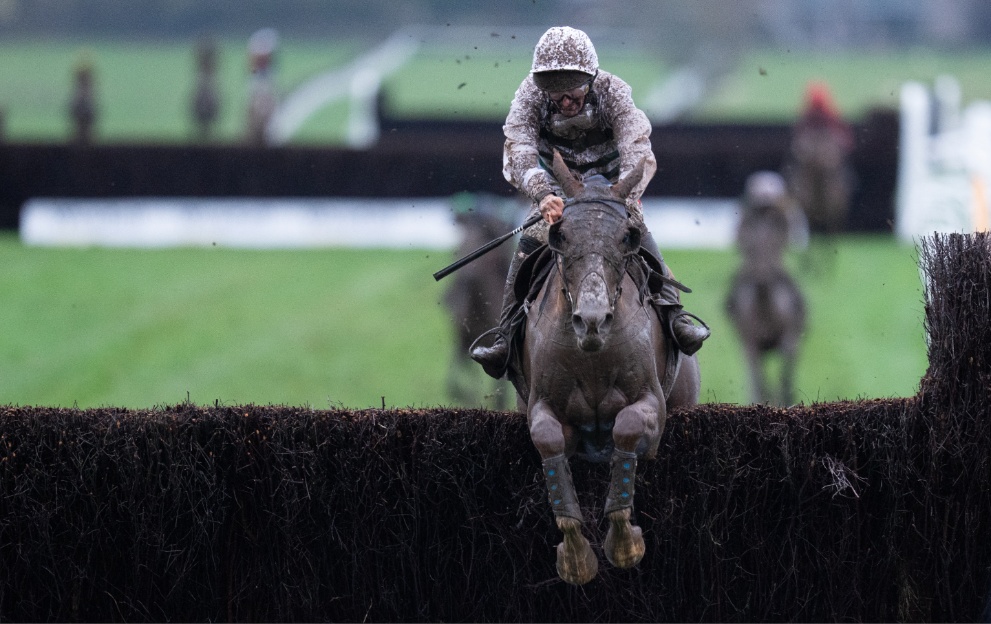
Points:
(864, 336)
(144, 87)
(768, 85)
(358, 328)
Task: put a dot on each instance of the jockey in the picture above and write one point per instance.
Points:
(820, 112)
(568, 104)
(766, 200)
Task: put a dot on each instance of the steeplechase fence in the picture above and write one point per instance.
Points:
(873, 510)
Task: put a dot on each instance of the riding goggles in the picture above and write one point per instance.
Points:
(574, 94)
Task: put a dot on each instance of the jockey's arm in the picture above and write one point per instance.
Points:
(631, 130)
(520, 161)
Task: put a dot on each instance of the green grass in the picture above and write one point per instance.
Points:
(478, 82)
(136, 328)
(770, 84)
(864, 335)
(144, 87)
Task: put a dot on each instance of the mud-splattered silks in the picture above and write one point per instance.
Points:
(609, 137)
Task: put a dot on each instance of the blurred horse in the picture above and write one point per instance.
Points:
(765, 303)
(817, 167)
(597, 371)
(475, 295)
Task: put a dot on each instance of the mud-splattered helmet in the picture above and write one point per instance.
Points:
(563, 59)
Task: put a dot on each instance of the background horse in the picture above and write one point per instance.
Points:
(593, 370)
(821, 179)
(765, 304)
(817, 165)
(475, 295)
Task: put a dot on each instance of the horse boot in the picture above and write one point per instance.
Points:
(576, 562)
(495, 359)
(624, 546)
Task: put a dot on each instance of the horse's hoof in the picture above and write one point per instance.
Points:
(576, 566)
(624, 546)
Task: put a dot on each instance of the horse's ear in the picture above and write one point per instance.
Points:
(572, 187)
(632, 240)
(623, 187)
(555, 238)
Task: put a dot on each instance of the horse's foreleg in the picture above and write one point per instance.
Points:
(576, 563)
(755, 368)
(624, 545)
(789, 355)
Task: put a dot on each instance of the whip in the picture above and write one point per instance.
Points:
(484, 249)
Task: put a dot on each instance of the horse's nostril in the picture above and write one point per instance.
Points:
(579, 324)
(606, 322)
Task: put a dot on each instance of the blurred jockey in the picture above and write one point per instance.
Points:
(568, 104)
(817, 165)
(821, 113)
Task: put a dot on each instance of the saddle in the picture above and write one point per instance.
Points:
(644, 269)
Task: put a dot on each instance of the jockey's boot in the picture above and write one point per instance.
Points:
(687, 334)
(495, 359)
(667, 299)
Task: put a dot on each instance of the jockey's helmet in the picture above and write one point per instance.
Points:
(765, 187)
(563, 59)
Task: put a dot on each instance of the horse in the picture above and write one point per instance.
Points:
(474, 297)
(764, 302)
(820, 177)
(596, 373)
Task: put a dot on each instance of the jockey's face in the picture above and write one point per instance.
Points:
(570, 102)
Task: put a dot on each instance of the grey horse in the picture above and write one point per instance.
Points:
(596, 372)
(764, 302)
(475, 294)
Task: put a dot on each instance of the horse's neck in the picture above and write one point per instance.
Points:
(551, 308)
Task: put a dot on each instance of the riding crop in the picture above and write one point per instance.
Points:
(484, 249)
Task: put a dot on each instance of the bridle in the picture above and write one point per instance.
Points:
(620, 267)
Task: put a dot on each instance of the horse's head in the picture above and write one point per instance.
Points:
(593, 242)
